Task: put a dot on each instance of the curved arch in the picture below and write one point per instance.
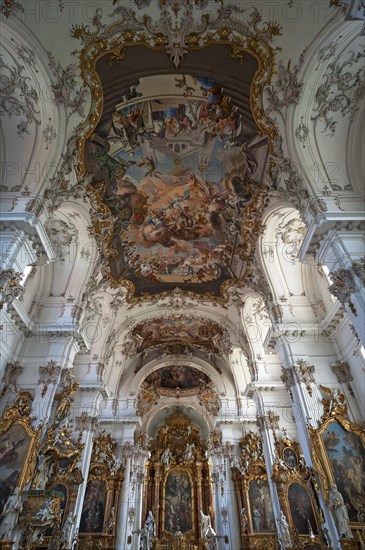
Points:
(324, 157)
(196, 413)
(156, 364)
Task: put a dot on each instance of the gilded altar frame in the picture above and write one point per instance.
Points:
(287, 473)
(320, 458)
(18, 414)
(113, 483)
(177, 470)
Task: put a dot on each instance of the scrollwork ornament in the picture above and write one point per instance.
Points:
(343, 373)
(10, 287)
(287, 377)
(359, 269)
(305, 374)
(342, 287)
(48, 375)
(340, 92)
(11, 373)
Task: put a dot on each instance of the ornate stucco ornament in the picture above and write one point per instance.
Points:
(10, 287)
(176, 37)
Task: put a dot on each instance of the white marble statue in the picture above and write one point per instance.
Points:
(67, 529)
(115, 465)
(206, 524)
(189, 452)
(11, 511)
(284, 530)
(147, 532)
(44, 470)
(46, 513)
(236, 463)
(166, 456)
(335, 501)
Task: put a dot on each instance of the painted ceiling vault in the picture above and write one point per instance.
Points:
(175, 151)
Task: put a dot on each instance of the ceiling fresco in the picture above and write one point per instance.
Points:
(178, 166)
(177, 376)
(181, 330)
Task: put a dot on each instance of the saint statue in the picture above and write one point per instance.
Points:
(335, 501)
(11, 511)
(148, 532)
(206, 524)
(166, 456)
(67, 529)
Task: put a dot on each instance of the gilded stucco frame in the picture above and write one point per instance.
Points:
(320, 457)
(178, 469)
(19, 414)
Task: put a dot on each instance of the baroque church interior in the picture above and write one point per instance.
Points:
(182, 285)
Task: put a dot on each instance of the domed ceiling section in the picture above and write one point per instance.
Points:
(176, 160)
(178, 334)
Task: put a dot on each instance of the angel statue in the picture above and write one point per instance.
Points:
(335, 404)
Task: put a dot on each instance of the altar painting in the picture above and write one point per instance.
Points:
(301, 509)
(93, 510)
(178, 502)
(346, 455)
(14, 445)
(261, 507)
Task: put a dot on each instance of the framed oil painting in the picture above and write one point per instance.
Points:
(261, 507)
(178, 499)
(290, 457)
(346, 455)
(301, 509)
(14, 447)
(93, 510)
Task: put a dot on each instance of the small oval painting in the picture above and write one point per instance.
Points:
(290, 457)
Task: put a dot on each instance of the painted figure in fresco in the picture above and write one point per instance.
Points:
(11, 511)
(335, 501)
(148, 532)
